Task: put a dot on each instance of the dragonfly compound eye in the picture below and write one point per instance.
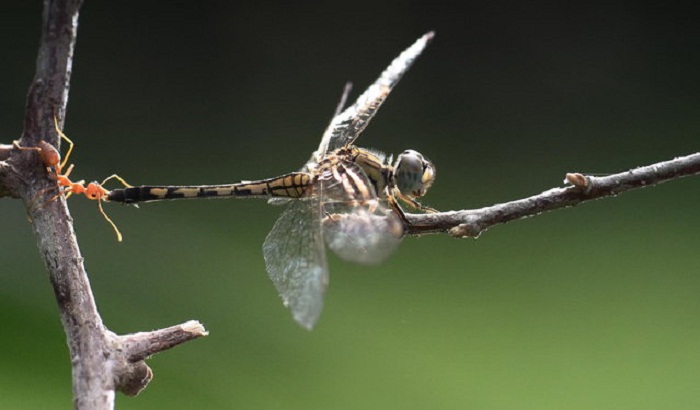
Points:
(413, 174)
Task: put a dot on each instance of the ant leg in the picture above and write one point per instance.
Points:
(114, 226)
(21, 148)
(70, 169)
(62, 135)
(397, 208)
(99, 196)
(118, 178)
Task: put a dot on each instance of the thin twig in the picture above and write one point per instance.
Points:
(132, 373)
(471, 223)
(139, 346)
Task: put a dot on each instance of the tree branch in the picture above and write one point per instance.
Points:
(132, 374)
(471, 223)
(102, 362)
(139, 346)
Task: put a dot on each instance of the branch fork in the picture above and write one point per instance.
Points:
(131, 374)
(102, 362)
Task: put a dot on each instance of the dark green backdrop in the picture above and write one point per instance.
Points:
(592, 307)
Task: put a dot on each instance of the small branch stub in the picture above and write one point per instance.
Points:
(139, 346)
(132, 374)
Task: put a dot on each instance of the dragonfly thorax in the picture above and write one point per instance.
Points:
(413, 174)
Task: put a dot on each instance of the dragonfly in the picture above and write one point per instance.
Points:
(344, 197)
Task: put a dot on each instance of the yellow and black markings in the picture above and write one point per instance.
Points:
(292, 185)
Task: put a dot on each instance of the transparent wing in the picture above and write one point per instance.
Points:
(296, 261)
(356, 225)
(347, 126)
(363, 236)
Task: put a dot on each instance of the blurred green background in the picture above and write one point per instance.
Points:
(591, 307)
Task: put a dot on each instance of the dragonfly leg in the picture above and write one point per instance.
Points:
(413, 203)
(394, 204)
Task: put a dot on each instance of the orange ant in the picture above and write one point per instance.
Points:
(51, 158)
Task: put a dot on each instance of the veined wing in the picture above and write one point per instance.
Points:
(347, 126)
(295, 258)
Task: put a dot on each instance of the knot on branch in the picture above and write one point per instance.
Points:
(577, 180)
(130, 378)
(467, 230)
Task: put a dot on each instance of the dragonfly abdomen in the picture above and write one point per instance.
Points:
(293, 185)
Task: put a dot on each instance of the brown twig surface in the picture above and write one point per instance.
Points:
(144, 344)
(102, 362)
(471, 223)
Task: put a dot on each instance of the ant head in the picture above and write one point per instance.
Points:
(95, 191)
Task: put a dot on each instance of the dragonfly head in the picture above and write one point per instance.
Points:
(413, 174)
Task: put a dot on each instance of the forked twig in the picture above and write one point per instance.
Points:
(102, 362)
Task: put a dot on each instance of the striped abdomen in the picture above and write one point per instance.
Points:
(292, 185)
